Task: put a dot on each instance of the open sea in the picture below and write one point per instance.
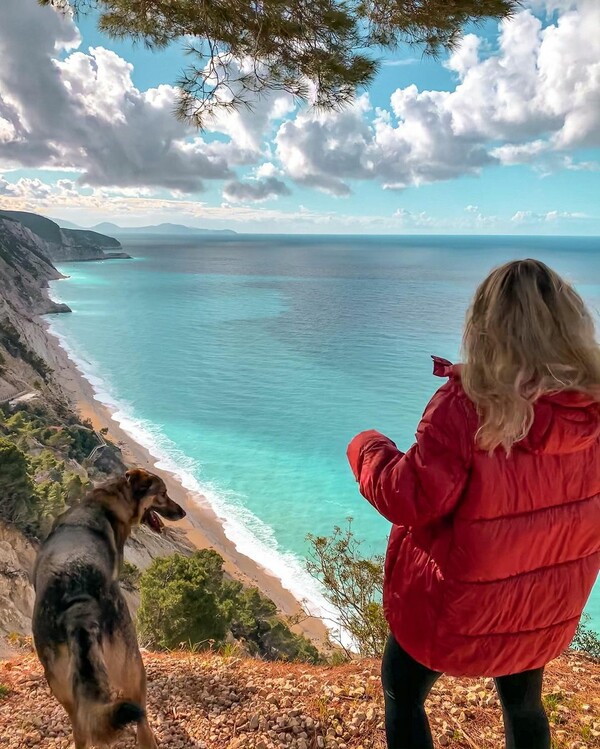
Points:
(247, 363)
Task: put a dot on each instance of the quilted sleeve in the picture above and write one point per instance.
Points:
(424, 484)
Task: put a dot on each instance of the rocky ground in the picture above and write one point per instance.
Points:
(205, 701)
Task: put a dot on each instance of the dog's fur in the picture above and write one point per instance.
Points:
(82, 629)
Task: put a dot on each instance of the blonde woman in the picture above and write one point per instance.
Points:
(495, 544)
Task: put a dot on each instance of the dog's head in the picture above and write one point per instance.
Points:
(150, 498)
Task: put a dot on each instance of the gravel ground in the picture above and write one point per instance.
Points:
(205, 701)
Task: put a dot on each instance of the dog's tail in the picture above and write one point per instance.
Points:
(97, 716)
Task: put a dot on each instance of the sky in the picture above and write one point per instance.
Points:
(500, 137)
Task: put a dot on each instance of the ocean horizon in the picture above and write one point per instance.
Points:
(246, 363)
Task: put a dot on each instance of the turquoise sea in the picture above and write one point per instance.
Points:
(247, 363)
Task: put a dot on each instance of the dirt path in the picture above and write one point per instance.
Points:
(211, 702)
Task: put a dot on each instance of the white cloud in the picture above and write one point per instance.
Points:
(474, 220)
(533, 101)
(412, 220)
(83, 112)
(28, 189)
(102, 204)
(248, 125)
(323, 149)
(524, 153)
(268, 169)
(130, 206)
(466, 56)
(533, 217)
(412, 144)
(400, 63)
(580, 166)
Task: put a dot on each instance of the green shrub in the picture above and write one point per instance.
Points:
(183, 601)
(49, 480)
(189, 602)
(587, 640)
(60, 440)
(18, 501)
(353, 584)
(256, 623)
(74, 487)
(129, 576)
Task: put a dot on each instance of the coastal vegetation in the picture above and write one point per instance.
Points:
(353, 584)
(190, 603)
(42, 465)
(587, 640)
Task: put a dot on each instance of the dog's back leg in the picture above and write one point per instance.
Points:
(145, 737)
(97, 716)
(80, 739)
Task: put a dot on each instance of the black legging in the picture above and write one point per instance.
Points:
(407, 683)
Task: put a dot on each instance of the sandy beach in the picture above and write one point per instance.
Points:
(202, 526)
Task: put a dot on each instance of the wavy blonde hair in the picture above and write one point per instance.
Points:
(528, 333)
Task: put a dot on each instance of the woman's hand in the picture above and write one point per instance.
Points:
(424, 484)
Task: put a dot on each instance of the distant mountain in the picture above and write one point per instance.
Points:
(67, 244)
(108, 228)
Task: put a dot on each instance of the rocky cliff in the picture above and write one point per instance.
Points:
(25, 270)
(37, 419)
(63, 245)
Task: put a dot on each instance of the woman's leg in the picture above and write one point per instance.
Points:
(525, 721)
(406, 685)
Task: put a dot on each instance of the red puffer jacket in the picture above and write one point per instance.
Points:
(491, 558)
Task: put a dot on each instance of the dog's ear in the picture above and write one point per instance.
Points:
(140, 482)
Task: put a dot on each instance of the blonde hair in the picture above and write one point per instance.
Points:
(528, 333)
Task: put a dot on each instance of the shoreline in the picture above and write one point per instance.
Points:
(202, 527)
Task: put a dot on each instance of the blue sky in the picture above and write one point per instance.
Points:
(502, 137)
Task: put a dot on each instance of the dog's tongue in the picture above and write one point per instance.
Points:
(152, 520)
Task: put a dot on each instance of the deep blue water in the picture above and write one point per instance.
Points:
(249, 362)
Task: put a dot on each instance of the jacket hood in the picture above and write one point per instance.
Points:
(564, 422)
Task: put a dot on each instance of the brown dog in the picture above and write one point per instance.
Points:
(83, 632)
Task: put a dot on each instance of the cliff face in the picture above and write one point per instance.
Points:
(63, 245)
(28, 245)
(25, 270)
(79, 244)
(17, 557)
(47, 427)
